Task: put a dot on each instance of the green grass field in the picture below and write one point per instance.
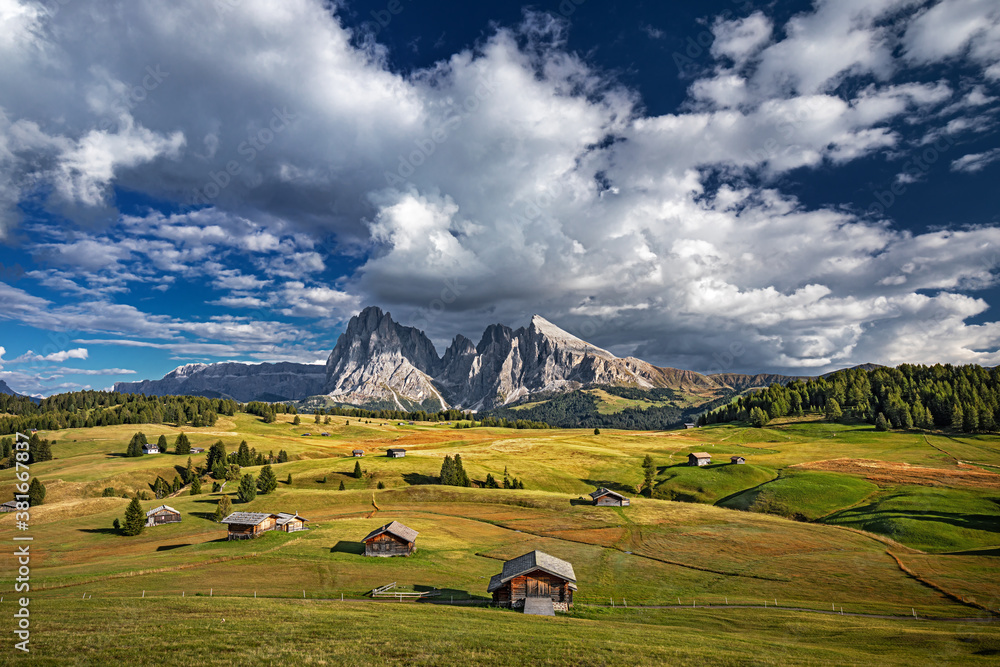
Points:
(887, 524)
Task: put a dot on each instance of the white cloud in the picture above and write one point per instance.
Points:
(974, 162)
(740, 39)
(62, 355)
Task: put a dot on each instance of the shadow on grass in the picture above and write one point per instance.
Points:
(207, 516)
(447, 595)
(100, 531)
(171, 547)
(974, 552)
(416, 478)
(343, 547)
(580, 501)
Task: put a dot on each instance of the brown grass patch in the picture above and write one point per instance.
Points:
(890, 473)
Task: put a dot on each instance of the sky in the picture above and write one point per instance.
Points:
(726, 186)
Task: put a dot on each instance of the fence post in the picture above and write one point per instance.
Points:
(210, 591)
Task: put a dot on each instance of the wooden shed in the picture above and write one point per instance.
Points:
(699, 459)
(9, 506)
(151, 448)
(358, 453)
(607, 497)
(162, 514)
(392, 539)
(534, 575)
(197, 450)
(737, 459)
(290, 522)
(246, 525)
(395, 453)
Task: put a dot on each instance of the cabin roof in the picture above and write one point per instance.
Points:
(395, 449)
(700, 455)
(357, 451)
(285, 517)
(605, 492)
(534, 560)
(247, 518)
(395, 528)
(161, 507)
(10, 503)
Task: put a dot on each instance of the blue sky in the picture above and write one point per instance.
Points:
(724, 186)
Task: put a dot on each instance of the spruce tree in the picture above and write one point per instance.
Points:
(189, 473)
(296, 421)
(342, 487)
(282, 456)
(183, 445)
(248, 489)
(135, 445)
(267, 482)
(597, 431)
(447, 471)
(833, 411)
(758, 418)
(243, 455)
(289, 480)
(224, 508)
(957, 417)
(357, 470)
(216, 454)
(161, 444)
(648, 473)
(461, 477)
(36, 492)
(195, 486)
(881, 423)
(135, 519)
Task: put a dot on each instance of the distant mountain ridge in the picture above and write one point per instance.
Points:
(379, 363)
(4, 389)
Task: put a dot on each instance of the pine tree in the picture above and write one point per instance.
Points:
(289, 480)
(176, 485)
(117, 525)
(267, 482)
(36, 492)
(135, 519)
(881, 423)
(183, 445)
(461, 477)
(357, 470)
(216, 454)
(296, 421)
(597, 431)
(648, 473)
(957, 417)
(248, 489)
(282, 456)
(447, 471)
(833, 411)
(196, 486)
(189, 473)
(223, 509)
(491, 482)
(342, 487)
(135, 445)
(243, 455)
(161, 444)
(758, 418)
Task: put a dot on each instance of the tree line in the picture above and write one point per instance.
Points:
(942, 396)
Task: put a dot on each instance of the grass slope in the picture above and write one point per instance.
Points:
(803, 495)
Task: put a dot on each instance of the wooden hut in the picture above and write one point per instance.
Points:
(9, 506)
(607, 497)
(699, 459)
(358, 453)
(151, 448)
(197, 450)
(534, 575)
(392, 539)
(247, 525)
(162, 514)
(395, 453)
(737, 459)
(290, 522)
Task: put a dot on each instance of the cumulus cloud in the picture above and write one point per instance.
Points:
(973, 162)
(511, 177)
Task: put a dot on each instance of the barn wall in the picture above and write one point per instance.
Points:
(388, 545)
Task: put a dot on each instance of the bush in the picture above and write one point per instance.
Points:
(109, 492)
(597, 431)
(380, 485)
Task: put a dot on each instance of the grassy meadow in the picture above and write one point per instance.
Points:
(822, 517)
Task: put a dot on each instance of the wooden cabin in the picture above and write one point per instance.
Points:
(150, 448)
(290, 522)
(197, 450)
(247, 525)
(608, 498)
(392, 539)
(737, 459)
(534, 575)
(358, 453)
(9, 506)
(699, 459)
(690, 425)
(162, 514)
(395, 453)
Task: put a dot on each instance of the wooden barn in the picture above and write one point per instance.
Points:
(197, 450)
(737, 459)
(162, 514)
(533, 576)
(9, 506)
(607, 497)
(151, 448)
(290, 522)
(358, 453)
(395, 453)
(699, 459)
(247, 525)
(392, 539)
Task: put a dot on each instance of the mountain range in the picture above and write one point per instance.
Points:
(380, 364)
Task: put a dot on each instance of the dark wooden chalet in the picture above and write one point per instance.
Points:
(358, 452)
(737, 459)
(290, 522)
(607, 497)
(534, 575)
(395, 453)
(246, 525)
(162, 514)
(699, 459)
(392, 539)
(9, 506)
